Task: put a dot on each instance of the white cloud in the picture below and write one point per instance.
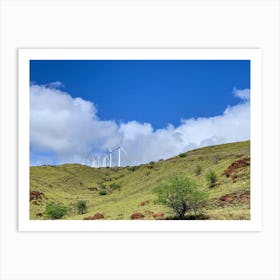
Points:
(70, 128)
(67, 126)
(56, 84)
(243, 94)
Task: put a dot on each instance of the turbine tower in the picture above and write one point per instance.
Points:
(105, 158)
(119, 148)
(97, 160)
(93, 162)
(110, 157)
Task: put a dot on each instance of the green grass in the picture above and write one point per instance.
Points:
(66, 184)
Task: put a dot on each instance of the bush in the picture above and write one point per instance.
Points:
(211, 178)
(182, 195)
(182, 155)
(133, 168)
(115, 186)
(55, 210)
(103, 191)
(82, 206)
(151, 165)
(197, 170)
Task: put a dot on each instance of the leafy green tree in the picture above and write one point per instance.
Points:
(182, 195)
(82, 206)
(55, 210)
(211, 178)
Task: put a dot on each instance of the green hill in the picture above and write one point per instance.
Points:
(117, 193)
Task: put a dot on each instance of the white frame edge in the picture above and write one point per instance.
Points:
(254, 55)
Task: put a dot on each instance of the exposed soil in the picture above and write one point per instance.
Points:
(143, 203)
(158, 216)
(35, 195)
(233, 169)
(96, 216)
(137, 216)
(235, 198)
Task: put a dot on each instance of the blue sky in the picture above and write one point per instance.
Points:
(158, 92)
(161, 107)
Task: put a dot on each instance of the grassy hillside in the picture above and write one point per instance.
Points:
(66, 184)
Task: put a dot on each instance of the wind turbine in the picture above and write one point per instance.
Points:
(97, 160)
(120, 147)
(110, 157)
(105, 158)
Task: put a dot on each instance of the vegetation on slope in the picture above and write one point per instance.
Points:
(118, 193)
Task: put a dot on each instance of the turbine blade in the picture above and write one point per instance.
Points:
(123, 149)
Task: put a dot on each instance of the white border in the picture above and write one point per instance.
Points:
(254, 55)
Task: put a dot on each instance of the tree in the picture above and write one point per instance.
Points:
(82, 206)
(211, 178)
(182, 195)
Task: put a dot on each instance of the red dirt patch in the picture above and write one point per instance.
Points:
(158, 216)
(96, 216)
(143, 203)
(235, 167)
(235, 198)
(137, 216)
(35, 195)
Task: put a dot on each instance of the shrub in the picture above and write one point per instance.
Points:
(151, 165)
(211, 178)
(82, 206)
(182, 195)
(197, 170)
(133, 168)
(182, 155)
(103, 192)
(115, 186)
(55, 210)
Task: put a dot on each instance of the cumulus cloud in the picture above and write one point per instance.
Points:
(56, 84)
(69, 130)
(243, 94)
(66, 126)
